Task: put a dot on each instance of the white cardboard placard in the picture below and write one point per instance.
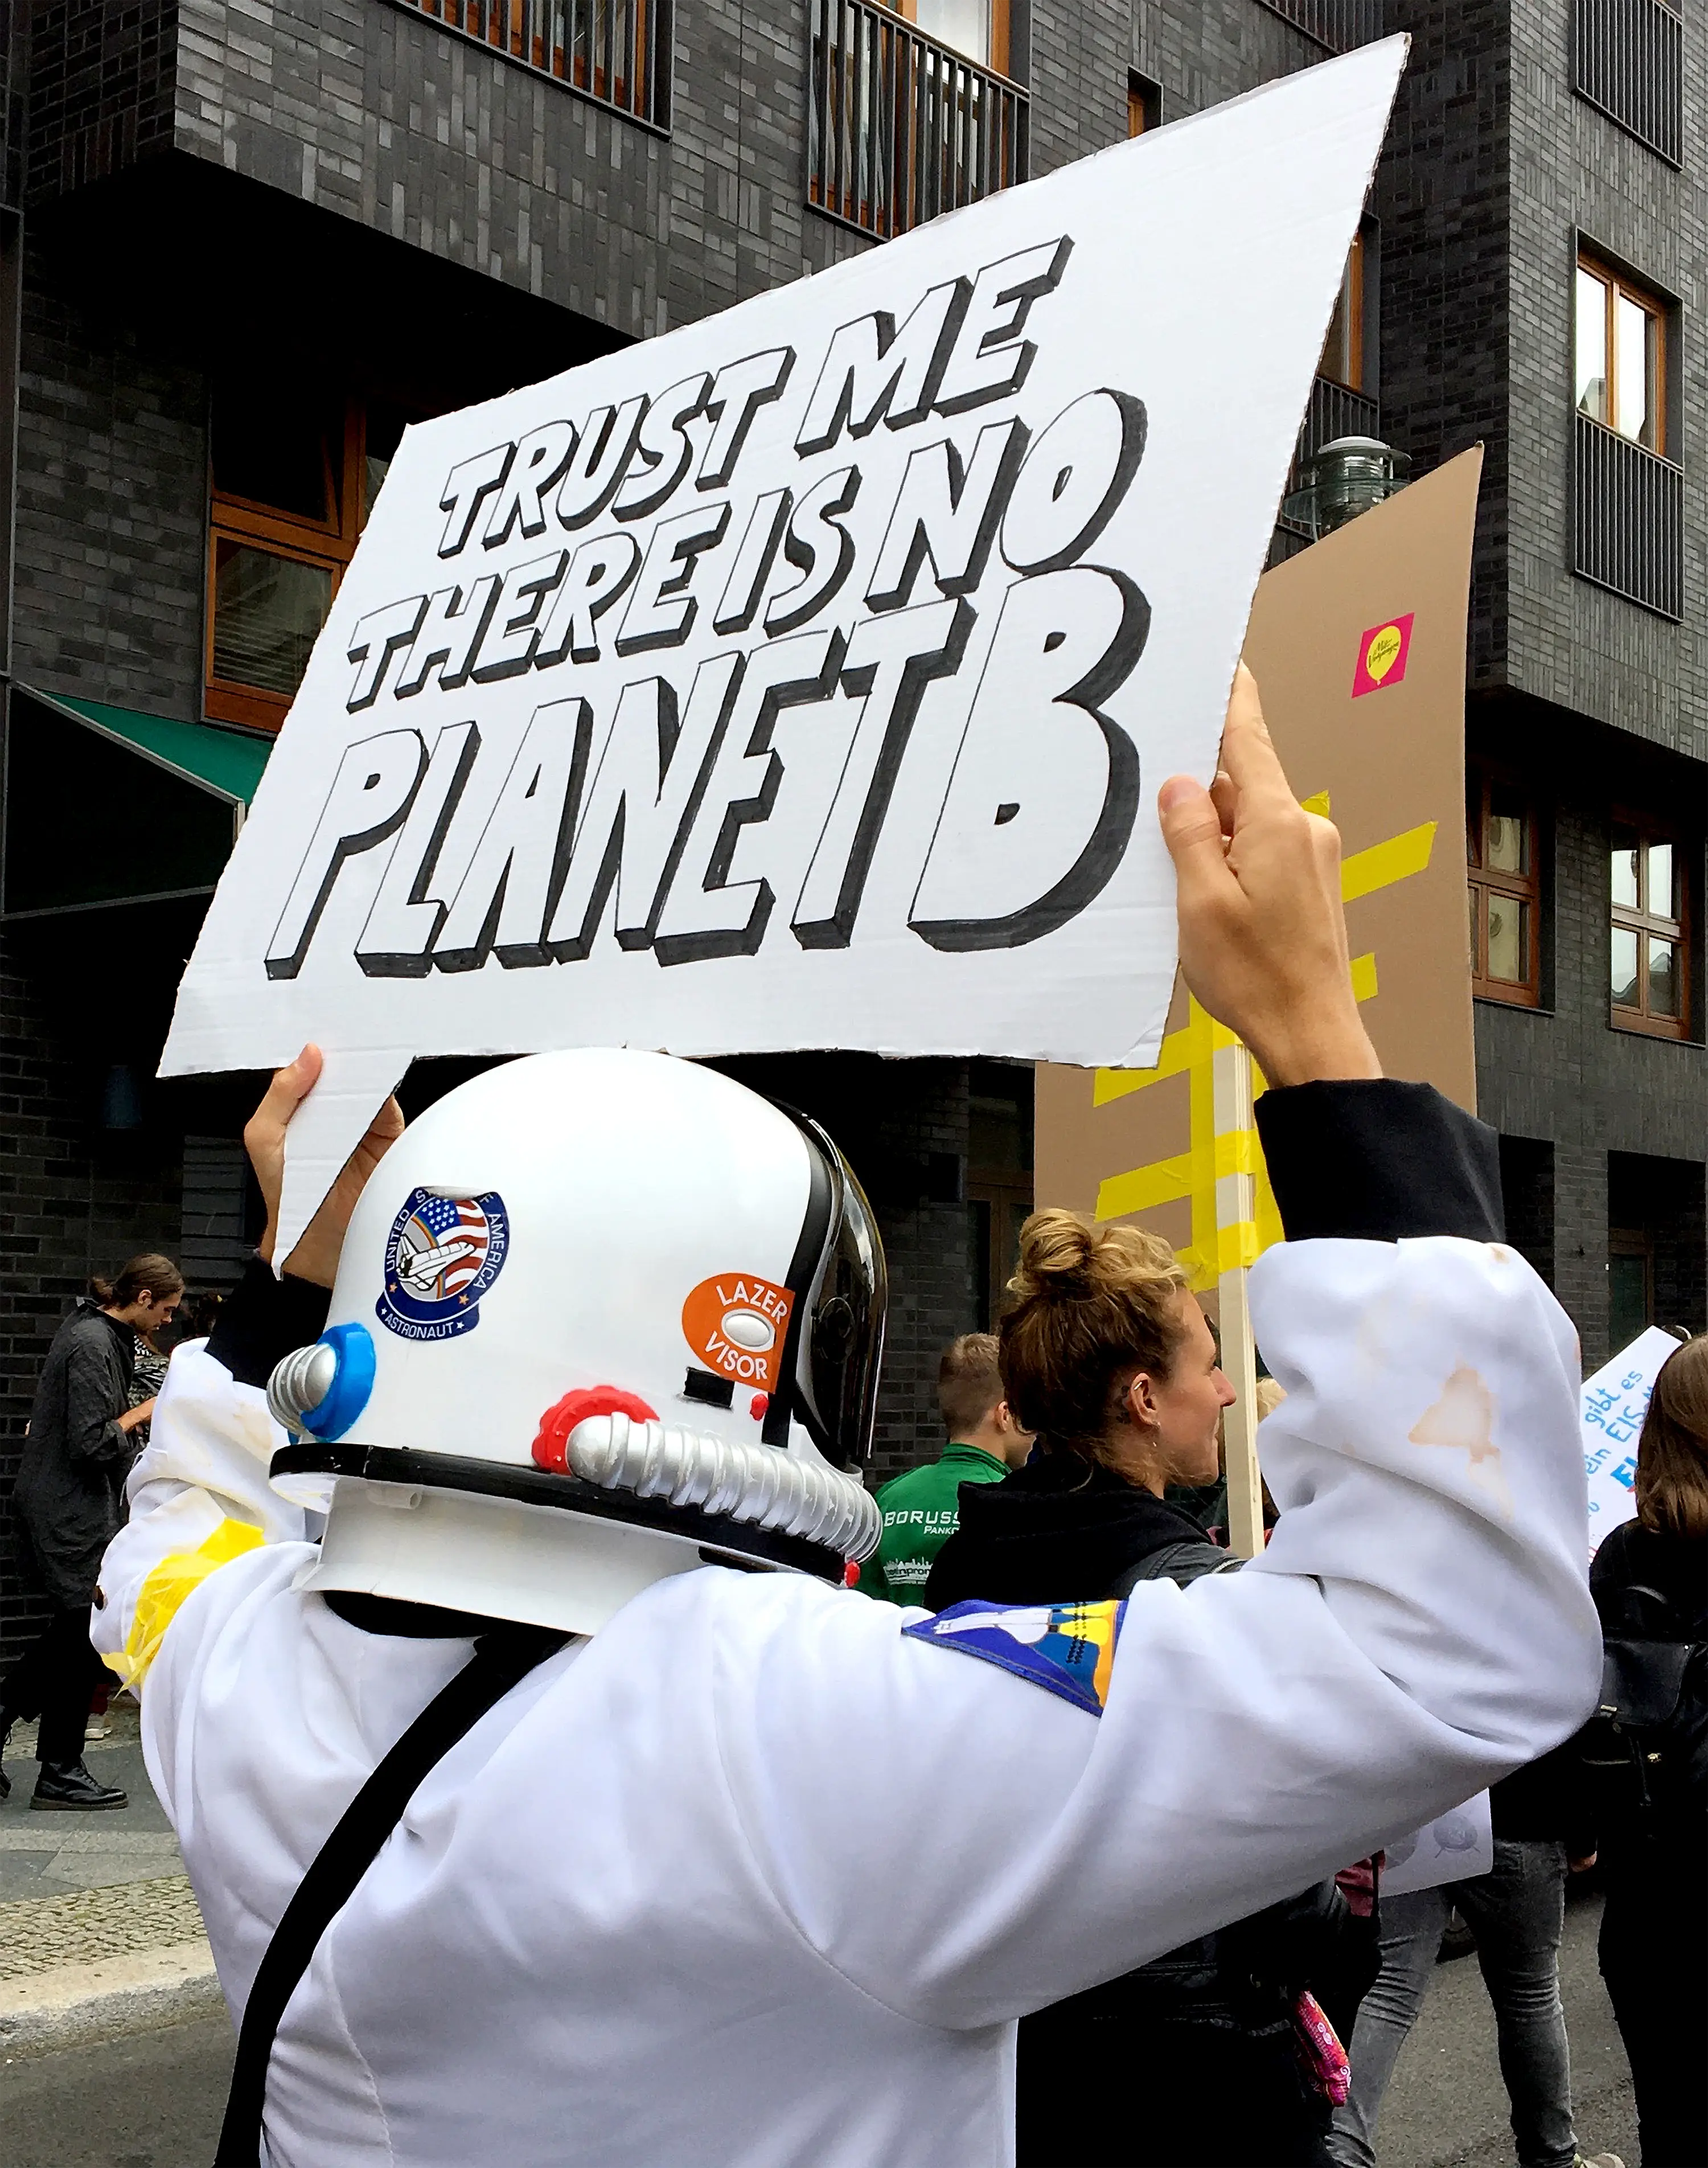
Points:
(1615, 1401)
(804, 677)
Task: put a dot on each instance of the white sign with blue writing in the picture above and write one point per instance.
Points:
(1615, 1401)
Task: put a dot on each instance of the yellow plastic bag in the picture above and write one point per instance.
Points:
(164, 1591)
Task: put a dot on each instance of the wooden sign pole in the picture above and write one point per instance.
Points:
(1236, 1233)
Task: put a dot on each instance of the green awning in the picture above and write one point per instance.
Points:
(228, 762)
(106, 804)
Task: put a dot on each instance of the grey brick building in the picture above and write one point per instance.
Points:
(336, 213)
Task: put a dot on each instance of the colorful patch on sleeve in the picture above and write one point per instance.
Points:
(1068, 1648)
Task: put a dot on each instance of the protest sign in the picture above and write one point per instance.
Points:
(1615, 1401)
(804, 677)
(1387, 765)
(1358, 646)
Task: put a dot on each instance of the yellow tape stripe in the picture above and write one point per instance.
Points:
(1202, 1153)
(1317, 802)
(162, 1595)
(1166, 1181)
(1364, 978)
(1238, 1244)
(1163, 1181)
(1384, 864)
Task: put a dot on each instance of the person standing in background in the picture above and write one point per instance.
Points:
(1650, 1583)
(69, 1504)
(1517, 1912)
(922, 1509)
(147, 1376)
(1106, 1352)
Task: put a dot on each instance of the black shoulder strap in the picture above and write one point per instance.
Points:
(1188, 1561)
(501, 1658)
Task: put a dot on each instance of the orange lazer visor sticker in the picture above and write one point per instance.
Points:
(1382, 655)
(735, 1324)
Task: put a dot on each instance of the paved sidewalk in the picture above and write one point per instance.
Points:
(100, 1934)
(45, 1855)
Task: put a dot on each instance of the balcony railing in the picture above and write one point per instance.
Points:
(1334, 411)
(1628, 519)
(900, 127)
(1628, 59)
(614, 51)
(1338, 25)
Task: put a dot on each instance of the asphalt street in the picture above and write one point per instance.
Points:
(155, 2100)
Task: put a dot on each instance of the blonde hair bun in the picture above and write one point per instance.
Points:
(1063, 1256)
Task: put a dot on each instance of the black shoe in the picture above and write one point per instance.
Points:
(66, 1787)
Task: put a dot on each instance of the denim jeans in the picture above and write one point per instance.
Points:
(1517, 1912)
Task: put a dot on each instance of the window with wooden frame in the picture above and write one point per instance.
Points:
(1343, 350)
(1503, 871)
(976, 28)
(295, 472)
(1144, 103)
(1620, 355)
(1649, 956)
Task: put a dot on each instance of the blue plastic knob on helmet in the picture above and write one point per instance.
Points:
(319, 1391)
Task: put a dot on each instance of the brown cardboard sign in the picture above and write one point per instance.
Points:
(1358, 647)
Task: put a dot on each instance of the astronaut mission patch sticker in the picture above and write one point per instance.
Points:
(440, 1257)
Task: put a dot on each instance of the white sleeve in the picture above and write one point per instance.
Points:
(199, 1495)
(965, 1845)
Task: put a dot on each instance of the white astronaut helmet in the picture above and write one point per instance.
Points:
(600, 1316)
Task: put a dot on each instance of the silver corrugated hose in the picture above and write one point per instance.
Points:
(300, 1381)
(754, 1483)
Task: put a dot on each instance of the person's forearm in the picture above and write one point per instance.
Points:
(98, 1441)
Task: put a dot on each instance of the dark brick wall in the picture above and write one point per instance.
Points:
(1527, 1187)
(102, 79)
(372, 111)
(1202, 55)
(112, 508)
(1446, 278)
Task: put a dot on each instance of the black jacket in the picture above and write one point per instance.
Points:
(1218, 2010)
(69, 1498)
(1059, 1529)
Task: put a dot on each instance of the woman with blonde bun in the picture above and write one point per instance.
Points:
(1107, 1356)
(1105, 1353)
(1650, 1582)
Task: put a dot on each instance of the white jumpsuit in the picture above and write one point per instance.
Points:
(755, 1877)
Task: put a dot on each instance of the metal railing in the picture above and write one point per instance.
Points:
(1627, 519)
(614, 51)
(1334, 411)
(1628, 60)
(1338, 25)
(899, 127)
